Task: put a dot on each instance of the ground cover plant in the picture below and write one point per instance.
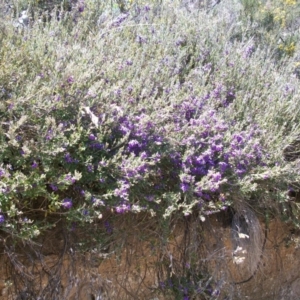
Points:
(171, 108)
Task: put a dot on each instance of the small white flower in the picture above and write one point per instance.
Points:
(238, 260)
(243, 236)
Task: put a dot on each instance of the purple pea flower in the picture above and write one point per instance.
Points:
(216, 177)
(85, 212)
(34, 165)
(248, 51)
(122, 208)
(223, 166)
(150, 198)
(143, 155)
(141, 39)
(97, 146)
(81, 6)
(68, 158)
(92, 137)
(134, 146)
(67, 203)
(70, 79)
(70, 178)
(184, 186)
(53, 187)
(217, 148)
(2, 219)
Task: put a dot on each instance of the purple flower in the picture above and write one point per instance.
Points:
(97, 202)
(118, 92)
(180, 42)
(70, 178)
(92, 137)
(53, 187)
(34, 165)
(141, 39)
(68, 158)
(134, 146)
(248, 51)
(238, 138)
(184, 186)
(2, 219)
(217, 148)
(85, 212)
(240, 171)
(49, 135)
(142, 169)
(97, 146)
(223, 166)
(123, 191)
(143, 155)
(81, 6)
(67, 203)
(122, 208)
(150, 198)
(119, 20)
(217, 91)
(2, 173)
(216, 177)
(70, 79)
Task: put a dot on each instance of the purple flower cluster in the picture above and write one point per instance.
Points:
(122, 208)
(141, 132)
(122, 191)
(211, 152)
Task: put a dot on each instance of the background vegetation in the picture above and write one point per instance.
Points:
(169, 108)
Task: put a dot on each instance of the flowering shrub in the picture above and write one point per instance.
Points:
(148, 110)
(159, 128)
